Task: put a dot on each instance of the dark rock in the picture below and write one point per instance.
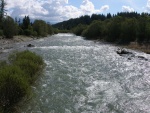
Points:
(129, 58)
(30, 45)
(123, 51)
(142, 58)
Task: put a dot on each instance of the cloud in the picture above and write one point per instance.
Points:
(127, 9)
(148, 6)
(51, 10)
(104, 8)
(87, 7)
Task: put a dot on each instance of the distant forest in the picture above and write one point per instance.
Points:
(121, 28)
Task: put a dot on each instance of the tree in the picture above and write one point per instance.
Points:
(109, 16)
(142, 27)
(50, 29)
(2, 10)
(79, 29)
(129, 30)
(26, 22)
(114, 29)
(9, 27)
(40, 27)
(147, 35)
(94, 31)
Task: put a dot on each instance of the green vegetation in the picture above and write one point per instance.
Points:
(37, 28)
(16, 77)
(10, 27)
(122, 28)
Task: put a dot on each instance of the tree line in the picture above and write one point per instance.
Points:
(10, 27)
(86, 19)
(121, 28)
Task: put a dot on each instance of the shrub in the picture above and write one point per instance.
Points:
(28, 67)
(40, 27)
(13, 86)
(94, 31)
(34, 33)
(29, 62)
(27, 32)
(1, 33)
(15, 77)
(79, 29)
(2, 64)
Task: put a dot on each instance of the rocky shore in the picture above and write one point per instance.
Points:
(16, 39)
(136, 46)
(7, 44)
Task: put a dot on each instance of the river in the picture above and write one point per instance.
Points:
(86, 77)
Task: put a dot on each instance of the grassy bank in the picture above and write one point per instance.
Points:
(16, 76)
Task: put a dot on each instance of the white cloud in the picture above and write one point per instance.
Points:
(104, 8)
(87, 7)
(127, 9)
(148, 6)
(51, 10)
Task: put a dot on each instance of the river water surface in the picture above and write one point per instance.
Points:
(86, 77)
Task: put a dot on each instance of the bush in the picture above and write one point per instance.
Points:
(30, 56)
(34, 33)
(27, 32)
(15, 77)
(79, 29)
(2, 64)
(94, 31)
(28, 62)
(1, 33)
(13, 86)
(40, 27)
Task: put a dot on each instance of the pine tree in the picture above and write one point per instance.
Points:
(2, 10)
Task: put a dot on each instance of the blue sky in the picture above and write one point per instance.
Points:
(59, 10)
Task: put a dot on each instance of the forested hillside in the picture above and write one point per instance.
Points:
(121, 28)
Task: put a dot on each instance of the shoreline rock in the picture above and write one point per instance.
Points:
(122, 51)
(129, 55)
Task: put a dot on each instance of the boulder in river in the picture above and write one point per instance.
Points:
(121, 51)
(30, 45)
(142, 58)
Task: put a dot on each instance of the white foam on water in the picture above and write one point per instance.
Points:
(64, 34)
(93, 78)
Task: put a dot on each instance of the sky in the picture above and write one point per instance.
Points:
(54, 11)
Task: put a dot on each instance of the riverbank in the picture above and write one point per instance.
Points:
(136, 46)
(132, 45)
(22, 38)
(15, 39)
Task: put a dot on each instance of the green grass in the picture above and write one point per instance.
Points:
(29, 63)
(16, 77)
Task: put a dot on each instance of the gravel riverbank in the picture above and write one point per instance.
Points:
(16, 39)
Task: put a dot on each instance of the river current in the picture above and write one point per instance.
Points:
(88, 77)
